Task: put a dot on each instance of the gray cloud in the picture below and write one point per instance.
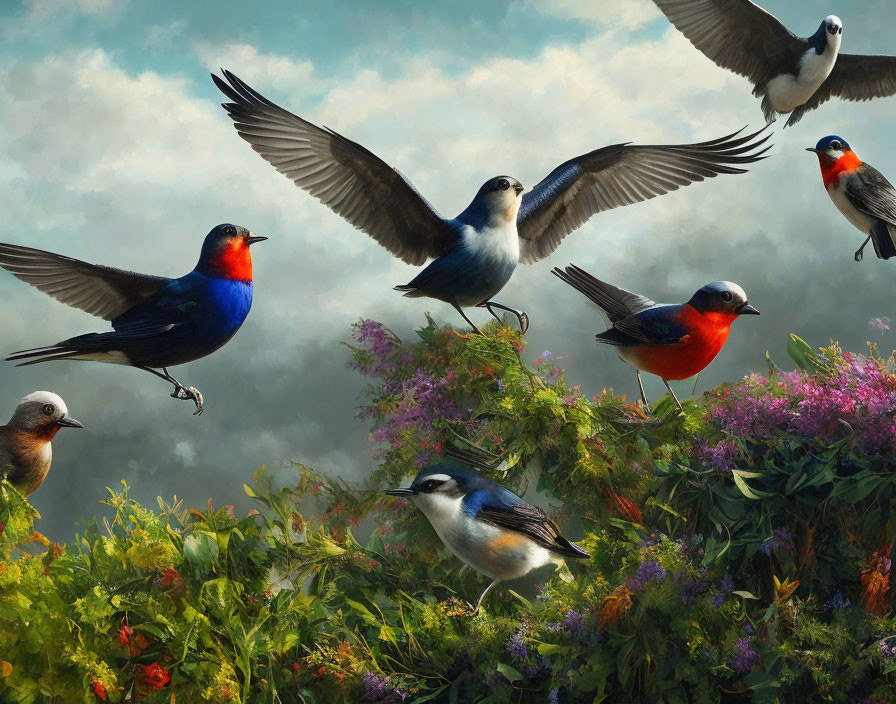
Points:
(132, 169)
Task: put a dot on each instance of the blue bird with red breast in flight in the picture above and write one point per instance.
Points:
(672, 341)
(861, 193)
(157, 322)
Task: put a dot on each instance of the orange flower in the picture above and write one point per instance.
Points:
(124, 634)
(173, 582)
(625, 508)
(614, 606)
(876, 582)
(155, 676)
(98, 690)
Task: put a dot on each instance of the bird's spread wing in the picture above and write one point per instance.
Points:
(530, 521)
(872, 194)
(99, 290)
(343, 175)
(854, 77)
(736, 34)
(621, 175)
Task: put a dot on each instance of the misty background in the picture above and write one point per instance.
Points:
(114, 149)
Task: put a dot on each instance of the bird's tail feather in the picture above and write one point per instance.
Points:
(884, 238)
(570, 550)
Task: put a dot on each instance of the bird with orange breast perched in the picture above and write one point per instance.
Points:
(25, 450)
(488, 527)
(157, 322)
(861, 193)
(672, 341)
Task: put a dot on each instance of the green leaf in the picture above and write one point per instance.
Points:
(745, 489)
(803, 355)
(744, 595)
(506, 670)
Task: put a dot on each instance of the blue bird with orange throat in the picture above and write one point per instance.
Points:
(486, 526)
(672, 341)
(157, 322)
(861, 193)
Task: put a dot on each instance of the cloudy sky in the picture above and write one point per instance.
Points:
(113, 149)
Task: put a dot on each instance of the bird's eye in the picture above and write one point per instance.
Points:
(836, 145)
(503, 184)
(49, 409)
(230, 230)
(726, 296)
(430, 485)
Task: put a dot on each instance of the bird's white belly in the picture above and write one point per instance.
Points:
(495, 552)
(498, 243)
(859, 220)
(787, 92)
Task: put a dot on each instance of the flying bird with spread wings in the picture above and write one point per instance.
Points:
(792, 75)
(475, 254)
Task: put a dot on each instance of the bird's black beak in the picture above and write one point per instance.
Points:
(68, 423)
(401, 492)
(252, 240)
(519, 188)
(812, 149)
(746, 309)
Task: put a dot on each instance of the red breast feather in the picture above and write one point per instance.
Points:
(232, 261)
(705, 339)
(831, 173)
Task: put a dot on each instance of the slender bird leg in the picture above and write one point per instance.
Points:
(858, 254)
(186, 393)
(464, 316)
(643, 395)
(475, 610)
(674, 397)
(521, 317)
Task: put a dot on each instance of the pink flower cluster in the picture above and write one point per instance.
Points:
(857, 395)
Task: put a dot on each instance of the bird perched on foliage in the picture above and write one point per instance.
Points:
(157, 322)
(25, 450)
(861, 193)
(474, 254)
(791, 74)
(672, 341)
(488, 527)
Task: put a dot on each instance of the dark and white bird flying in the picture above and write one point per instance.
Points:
(474, 254)
(791, 74)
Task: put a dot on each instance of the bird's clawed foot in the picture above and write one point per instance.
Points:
(190, 393)
(521, 317)
(859, 254)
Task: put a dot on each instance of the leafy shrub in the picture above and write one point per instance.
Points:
(741, 553)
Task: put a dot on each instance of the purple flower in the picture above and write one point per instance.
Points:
(516, 646)
(744, 657)
(881, 324)
(887, 650)
(574, 621)
(378, 689)
(717, 600)
(837, 602)
(554, 696)
(727, 585)
(501, 385)
(647, 572)
(768, 546)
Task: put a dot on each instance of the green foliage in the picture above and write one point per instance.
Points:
(739, 554)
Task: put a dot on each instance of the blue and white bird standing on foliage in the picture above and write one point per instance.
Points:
(860, 192)
(486, 526)
(474, 254)
(791, 74)
(157, 322)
